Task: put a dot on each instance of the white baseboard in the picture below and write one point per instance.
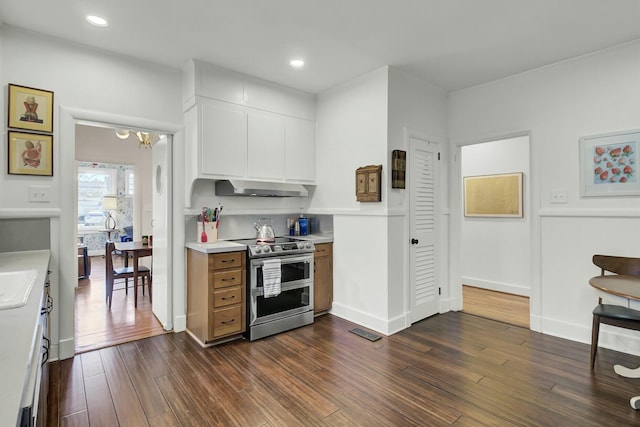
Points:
(180, 323)
(66, 348)
(508, 288)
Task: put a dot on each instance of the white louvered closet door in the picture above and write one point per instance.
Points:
(423, 187)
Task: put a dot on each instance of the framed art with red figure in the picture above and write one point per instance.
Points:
(30, 109)
(30, 154)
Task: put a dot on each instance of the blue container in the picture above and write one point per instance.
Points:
(304, 226)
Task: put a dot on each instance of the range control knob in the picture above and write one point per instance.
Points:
(308, 245)
(257, 249)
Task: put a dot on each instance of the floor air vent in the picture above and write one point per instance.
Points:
(365, 334)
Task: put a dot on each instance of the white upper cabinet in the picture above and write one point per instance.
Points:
(266, 146)
(238, 126)
(224, 141)
(300, 149)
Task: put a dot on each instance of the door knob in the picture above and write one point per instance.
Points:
(414, 241)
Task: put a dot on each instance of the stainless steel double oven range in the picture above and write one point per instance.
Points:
(292, 307)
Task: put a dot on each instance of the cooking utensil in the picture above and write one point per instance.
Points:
(203, 235)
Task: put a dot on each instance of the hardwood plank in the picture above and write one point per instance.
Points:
(79, 419)
(450, 369)
(147, 390)
(72, 387)
(91, 364)
(124, 396)
(99, 402)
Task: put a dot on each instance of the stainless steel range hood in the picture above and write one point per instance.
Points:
(238, 187)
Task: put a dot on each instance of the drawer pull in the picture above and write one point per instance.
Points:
(230, 321)
(229, 280)
(226, 298)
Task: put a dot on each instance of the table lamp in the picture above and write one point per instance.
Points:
(110, 203)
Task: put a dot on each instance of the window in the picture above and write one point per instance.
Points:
(93, 184)
(130, 183)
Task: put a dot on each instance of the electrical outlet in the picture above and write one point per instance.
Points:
(40, 193)
(559, 196)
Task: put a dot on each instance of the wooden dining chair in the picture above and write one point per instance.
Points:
(125, 273)
(610, 314)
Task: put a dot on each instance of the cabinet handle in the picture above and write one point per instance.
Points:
(230, 321)
(228, 280)
(226, 298)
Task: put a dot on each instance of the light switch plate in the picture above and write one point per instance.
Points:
(40, 193)
(559, 195)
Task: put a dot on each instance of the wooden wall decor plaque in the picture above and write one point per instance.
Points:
(369, 183)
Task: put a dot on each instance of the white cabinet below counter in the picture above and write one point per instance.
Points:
(226, 141)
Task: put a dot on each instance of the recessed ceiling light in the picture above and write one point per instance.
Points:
(296, 63)
(96, 20)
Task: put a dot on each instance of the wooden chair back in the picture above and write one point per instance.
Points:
(109, 273)
(617, 264)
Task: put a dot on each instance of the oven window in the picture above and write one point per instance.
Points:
(287, 300)
(288, 272)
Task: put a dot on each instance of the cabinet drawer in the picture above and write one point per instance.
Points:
(227, 260)
(324, 249)
(225, 321)
(227, 296)
(222, 279)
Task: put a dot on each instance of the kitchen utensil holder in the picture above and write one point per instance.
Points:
(211, 231)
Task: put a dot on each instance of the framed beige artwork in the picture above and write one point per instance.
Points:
(30, 109)
(493, 195)
(30, 154)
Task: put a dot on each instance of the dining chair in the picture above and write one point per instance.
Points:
(125, 273)
(610, 314)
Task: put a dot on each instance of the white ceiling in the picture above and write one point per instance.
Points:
(452, 43)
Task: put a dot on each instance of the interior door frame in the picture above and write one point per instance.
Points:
(67, 263)
(535, 297)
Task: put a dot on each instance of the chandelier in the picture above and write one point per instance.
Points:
(144, 138)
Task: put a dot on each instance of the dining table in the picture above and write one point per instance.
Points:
(137, 250)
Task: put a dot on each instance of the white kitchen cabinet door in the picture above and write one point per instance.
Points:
(224, 141)
(265, 146)
(300, 150)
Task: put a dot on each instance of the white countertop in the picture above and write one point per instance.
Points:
(17, 332)
(230, 246)
(216, 247)
(316, 238)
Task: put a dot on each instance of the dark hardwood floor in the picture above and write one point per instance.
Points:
(96, 326)
(451, 369)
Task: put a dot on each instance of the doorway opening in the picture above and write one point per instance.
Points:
(496, 250)
(108, 167)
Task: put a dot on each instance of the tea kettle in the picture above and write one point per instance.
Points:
(265, 230)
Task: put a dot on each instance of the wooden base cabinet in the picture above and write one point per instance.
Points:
(216, 287)
(322, 278)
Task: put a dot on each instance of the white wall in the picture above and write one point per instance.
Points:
(351, 131)
(418, 109)
(496, 252)
(359, 123)
(85, 82)
(593, 94)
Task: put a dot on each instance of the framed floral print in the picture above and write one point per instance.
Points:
(30, 109)
(609, 164)
(30, 154)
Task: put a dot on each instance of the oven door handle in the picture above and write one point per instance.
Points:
(285, 260)
(258, 292)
